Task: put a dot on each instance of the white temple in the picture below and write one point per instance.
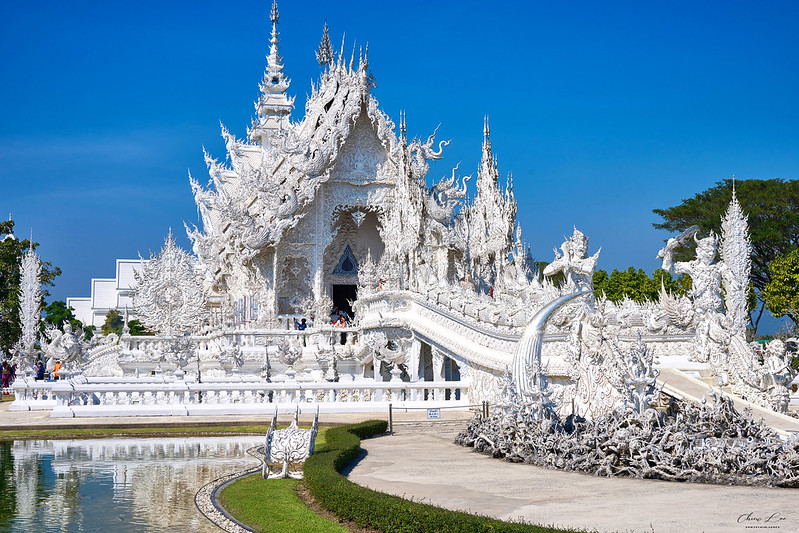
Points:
(333, 216)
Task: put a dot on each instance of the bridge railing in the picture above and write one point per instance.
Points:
(32, 395)
(74, 398)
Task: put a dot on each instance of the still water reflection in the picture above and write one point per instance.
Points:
(124, 485)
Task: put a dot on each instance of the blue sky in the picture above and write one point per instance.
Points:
(603, 111)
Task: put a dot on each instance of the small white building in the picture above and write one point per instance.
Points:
(107, 294)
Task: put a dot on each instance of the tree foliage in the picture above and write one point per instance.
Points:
(773, 210)
(637, 285)
(137, 328)
(57, 314)
(113, 323)
(11, 252)
(782, 291)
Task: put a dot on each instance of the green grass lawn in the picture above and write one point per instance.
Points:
(272, 505)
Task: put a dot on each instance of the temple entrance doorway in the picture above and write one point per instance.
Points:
(342, 296)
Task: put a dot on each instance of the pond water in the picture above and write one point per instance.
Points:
(119, 484)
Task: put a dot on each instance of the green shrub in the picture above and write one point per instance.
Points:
(377, 510)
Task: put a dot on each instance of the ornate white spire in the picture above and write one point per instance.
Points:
(325, 53)
(488, 175)
(736, 249)
(273, 106)
(486, 136)
(30, 297)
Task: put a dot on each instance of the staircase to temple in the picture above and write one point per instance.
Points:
(681, 386)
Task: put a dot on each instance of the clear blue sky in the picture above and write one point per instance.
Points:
(603, 111)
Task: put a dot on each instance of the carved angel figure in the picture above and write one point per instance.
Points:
(712, 337)
(575, 265)
(705, 274)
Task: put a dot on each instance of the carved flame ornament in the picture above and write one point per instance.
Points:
(169, 297)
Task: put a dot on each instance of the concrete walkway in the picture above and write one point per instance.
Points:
(420, 462)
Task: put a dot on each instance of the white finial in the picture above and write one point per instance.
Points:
(275, 14)
(325, 53)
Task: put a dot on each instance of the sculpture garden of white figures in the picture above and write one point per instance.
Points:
(623, 434)
(286, 450)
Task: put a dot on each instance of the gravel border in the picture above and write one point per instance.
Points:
(207, 498)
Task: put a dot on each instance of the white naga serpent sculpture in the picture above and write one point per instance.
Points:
(526, 366)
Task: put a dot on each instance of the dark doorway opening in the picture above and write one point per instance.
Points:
(342, 295)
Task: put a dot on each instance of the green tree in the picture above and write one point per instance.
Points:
(637, 285)
(136, 328)
(57, 314)
(782, 290)
(113, 323)
(11, 252)
(773, 210)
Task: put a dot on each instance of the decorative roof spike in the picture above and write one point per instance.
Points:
(274, 66)
(273, 106)
(275, 14)
(403, 129)
(341, 53)
(487, 159)
(325, 53)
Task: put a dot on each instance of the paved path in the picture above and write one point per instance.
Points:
(420, 462)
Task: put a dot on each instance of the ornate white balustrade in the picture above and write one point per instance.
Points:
(32, 395)
(74, 398)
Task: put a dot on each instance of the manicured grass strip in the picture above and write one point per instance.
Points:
(269, 505)
(377, 510)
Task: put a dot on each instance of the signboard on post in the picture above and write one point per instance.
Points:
(434, 414)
